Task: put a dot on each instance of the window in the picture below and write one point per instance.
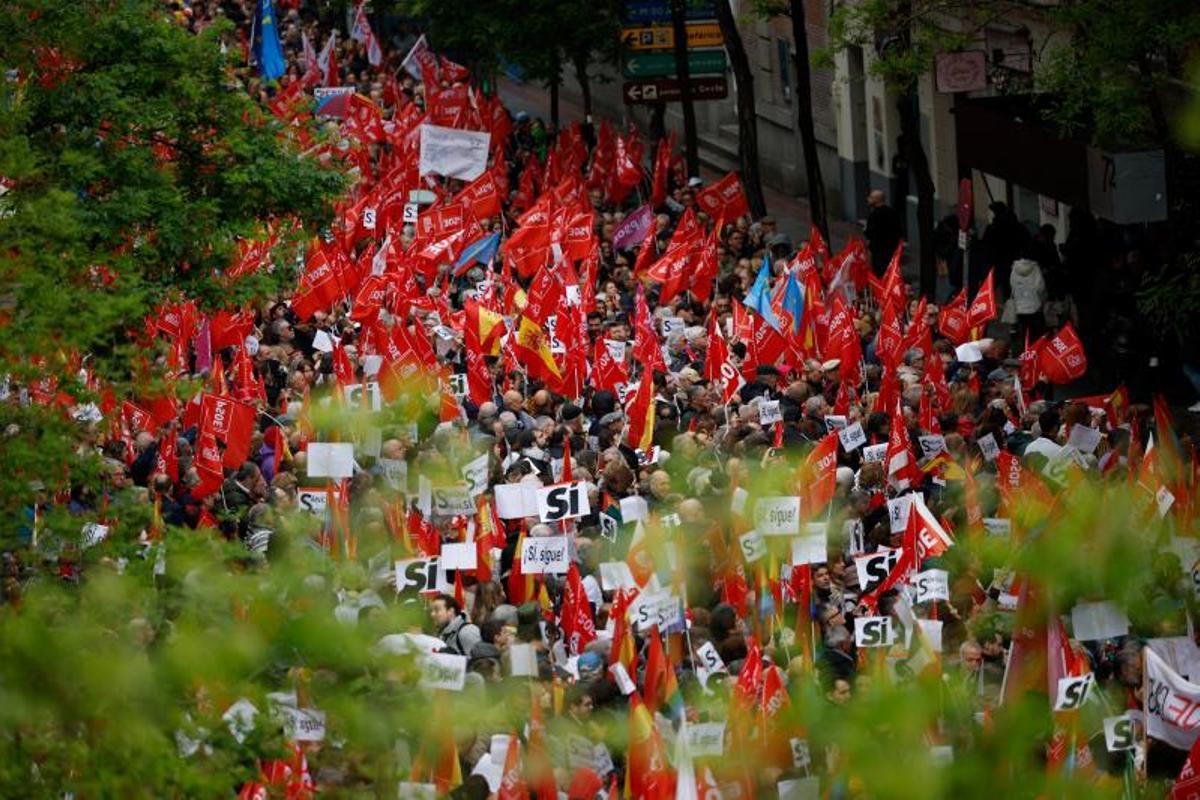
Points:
(784, 51)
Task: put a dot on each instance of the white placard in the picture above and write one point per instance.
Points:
(1083, 438)
(932, 584)
(1118, 733)
(516, 500)
(705, 739)
(443, 671)
(303, 724)
(932, 444)
(92, 534)
(522, 660)
(777, 516)
(239, 718)
(835, 422)
(460, 555)
(898, 510)
(453, 153)
(616, 349)
(812, 548)
(988, 446)
(853, 437)
(768, 412)
(801, 758)
(415, 576)
(616, 575)
(931, 629)
(709, 659)
(737, 501)
(621, 675)
(753, 546)
(322, 342)
(873, 632)
(312, 500)
(452, 501)
(672, 324)
(418, 791)
(808, 788)
(545, 554)
(873, 569)
(1073, 692)
(1093, 622)
(475, 473)
(563, 501)
(1164, 499)
(997, 526)
(330, 459)
(874, 452)
(661, 609)
(395, 472)
(634, 508)
(856, 540)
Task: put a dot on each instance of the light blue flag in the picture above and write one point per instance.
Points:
(479, 251)
(759, 296)
(793, 301)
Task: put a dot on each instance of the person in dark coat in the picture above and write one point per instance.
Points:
(882, 231)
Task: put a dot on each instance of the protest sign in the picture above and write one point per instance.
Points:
(932, 584)
(1092, 622)
(777, 516)
(452, 501)
(705, 739)
(616, 575)
(801, 758)
(522, 660)
(621, 676)
(416, 576)
(987, 446)
(874, 452)
(443, 671)
(354, 396)
(873, 632)
(812, 548)
(1119, 733)
(898, 510)
(563, 501)
(753, 546)
(932, 445)
(475, 473)
(459, 555)
(1073, 691)
(835, 422)
(330, 459)
(634, 508)
(661, 609)
(516, 500)
(769, 413)
(545, 554)
(1084, 439)
(313, 501)
(709, 659)
(302, 724)
(852, 437)
(453, 153)
(874, 568)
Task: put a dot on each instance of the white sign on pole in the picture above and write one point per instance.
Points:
(563, 501)
(777, 516)
(768, 412)
(1073, 691)
(853, 437)
(874, 452)
(330, 459)
(812, 548)
(753, 546)
(516, 500)
(443, 671)
(932, 584)
(313, 500)
(453, 153)
(1118, 733)
(452, 501)
(706, 739)
(873, 632)
(545, 554)
(460, 555)
(616, 575)
(475, 473)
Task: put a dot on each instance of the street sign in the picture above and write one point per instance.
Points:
(659, 11)
(666, 90)
(656, 65)
(704, 34)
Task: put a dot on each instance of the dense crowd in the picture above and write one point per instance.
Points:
(630, 444)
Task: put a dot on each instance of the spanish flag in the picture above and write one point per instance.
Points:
(640, 432)
(532, 348)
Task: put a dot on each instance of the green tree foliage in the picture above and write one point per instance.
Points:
(135, 161)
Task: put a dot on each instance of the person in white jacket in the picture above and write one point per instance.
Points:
(1028, 298)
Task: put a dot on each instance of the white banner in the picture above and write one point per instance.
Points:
(1172, 704)
(453, 153)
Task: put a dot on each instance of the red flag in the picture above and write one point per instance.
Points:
(231, 422)
(512, 780)
(901, 467)
(576, 620)
(1187, 785)
(648, 775)
(724, 199)
(662, 168)
(983, 307)
(1062, 359)
(952, 319)
(656, 669)
(821, 475)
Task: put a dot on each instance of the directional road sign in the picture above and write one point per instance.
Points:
(659, 11)
(666, 90)
(661, 65)
(661, 37)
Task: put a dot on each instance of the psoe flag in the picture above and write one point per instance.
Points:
(453, 153)
(1172, 704)
(267, 51)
